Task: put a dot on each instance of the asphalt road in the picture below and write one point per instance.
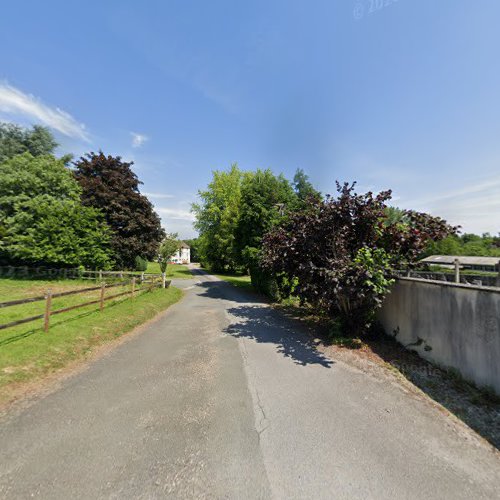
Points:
(225, 398)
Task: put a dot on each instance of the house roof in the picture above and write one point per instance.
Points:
(184, 245)
(462, 259)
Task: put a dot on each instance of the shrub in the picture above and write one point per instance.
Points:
(141, 264)
(341, 250)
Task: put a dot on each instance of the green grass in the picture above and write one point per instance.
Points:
(173, 270)
(237, 280)
(27, 353)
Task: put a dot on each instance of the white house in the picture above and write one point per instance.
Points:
(183, 255)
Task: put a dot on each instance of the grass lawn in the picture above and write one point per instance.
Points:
(173, 270)
(28, 353)
(237, 280)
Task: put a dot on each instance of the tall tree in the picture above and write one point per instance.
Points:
(41, 217)
(217, 218)
(303, 186)
(16, 140)
(265, 200)
(110, 185)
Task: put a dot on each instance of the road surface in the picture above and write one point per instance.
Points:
(225, 398)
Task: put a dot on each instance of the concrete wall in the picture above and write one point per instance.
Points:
(454, 325)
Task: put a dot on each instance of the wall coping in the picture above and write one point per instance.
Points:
(493, 289)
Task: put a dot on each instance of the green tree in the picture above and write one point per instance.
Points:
(42, 219)
(303, 186)
(168, 247)
(16, 140)
(265, 200)
(25, 177)
(110, 185)
(194, 245)
(217, 216)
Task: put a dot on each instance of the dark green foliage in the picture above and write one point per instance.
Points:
(16, 140)
(59, 233)
(265, 282)
(141, 264)
(341, 249)
(194, 245)
(42, 220)
(110, 185)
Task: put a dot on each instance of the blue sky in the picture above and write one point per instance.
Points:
(400, 94)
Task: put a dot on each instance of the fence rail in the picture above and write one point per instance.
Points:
(489, 280)
(152, 283)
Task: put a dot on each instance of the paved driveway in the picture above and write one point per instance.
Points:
(224, 398)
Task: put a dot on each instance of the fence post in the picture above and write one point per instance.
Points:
(457, 271)
(100, 275)
(163, 279)
(101, 300)
(142, 277)
(48, 304)
(498, 275)
(133, 287)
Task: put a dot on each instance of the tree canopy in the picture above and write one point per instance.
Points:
(42, 220)
(265, 199)
(340, 251)
(15, 140)
(110, 185)
(168, 247)
(217, 217)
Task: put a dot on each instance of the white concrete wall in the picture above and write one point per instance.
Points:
(459, 324)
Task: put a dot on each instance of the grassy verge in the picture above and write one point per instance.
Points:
(173, 270)
(27, 353)
(237, 280)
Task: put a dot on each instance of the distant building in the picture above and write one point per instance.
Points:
(183, 255)
(466, 262)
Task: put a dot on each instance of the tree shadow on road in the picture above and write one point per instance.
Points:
(259, 322)
(265, 325)
(223, 290)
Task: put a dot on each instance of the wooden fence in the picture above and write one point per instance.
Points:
(151, 284)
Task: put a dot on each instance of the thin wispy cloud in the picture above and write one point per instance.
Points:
(159, 196)
(16, 103)
(475, 206)
(138, 140)
(175, 213)
(177, 220)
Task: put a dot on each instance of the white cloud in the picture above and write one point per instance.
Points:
(475, 206)
(158, 195)
(177, 220)
(175, 213)
(138, 139)
(15, 102)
